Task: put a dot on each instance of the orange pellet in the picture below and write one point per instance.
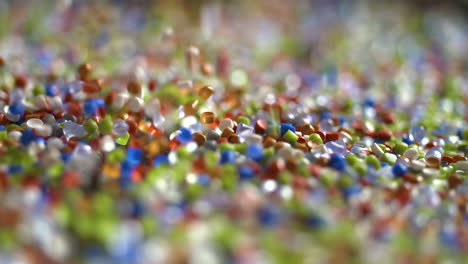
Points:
(111, 170)
(134, 87)
(268, 142)
(191, 108)
(206, 92)
(207, 69)
(84, 71)
(70, 179)
(207, 117)
(234, 139)
(152, 85)
(90, 87)
(199, 138)
(227, 132)
(459, 157)
(307, 129)
(432, 162)
(301, 146)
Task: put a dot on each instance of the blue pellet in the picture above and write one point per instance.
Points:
(369, 102)
(337, 162)
(399, 169)
(51, 89)
(268, 216)
(351, 191)
(227, 156)
(15, 168)
(90, 107)
(255, 152)
(185, 135)
(27, 137)
(285, 127)
(325, 115)
(246, 173)
(134, 155)
(383, 163)
(16, 108)
(66, 157)
(161, 159)
(137, 209)
(204, 179)
(407, 140)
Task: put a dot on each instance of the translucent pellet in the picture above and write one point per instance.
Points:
(417, 133)
(336, 146)
(82, 150)
(72, 129)
(75, 86)
(120, 128)
(135, 104)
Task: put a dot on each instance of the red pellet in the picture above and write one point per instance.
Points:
(261, 126)
(331, 136)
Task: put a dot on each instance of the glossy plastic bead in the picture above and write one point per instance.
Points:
(399, 169)
(120, 128)
(337, 162)
(255, 152)
(285, 127)
(205, 92)
(185, 135)
(290, 136)
(207, 117)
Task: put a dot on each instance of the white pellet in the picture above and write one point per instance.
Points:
(418, 165)
(15, 135)
(227, 122)
(377, 150)
(135, 104)
(411, 154)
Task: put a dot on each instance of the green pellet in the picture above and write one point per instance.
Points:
(290, 136)
(465, 134)
(211, 159)
(123, 140)
(360, 168)
(117, 155)
(105, 126)
(316, 138)
(268, 152)
(90, 126)
(389, 158)
(373, 161)
(3, 135)
(352, 159)
(226, 146)
(400, 148)
(38, 90)
(240, 147)
(243, 119)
